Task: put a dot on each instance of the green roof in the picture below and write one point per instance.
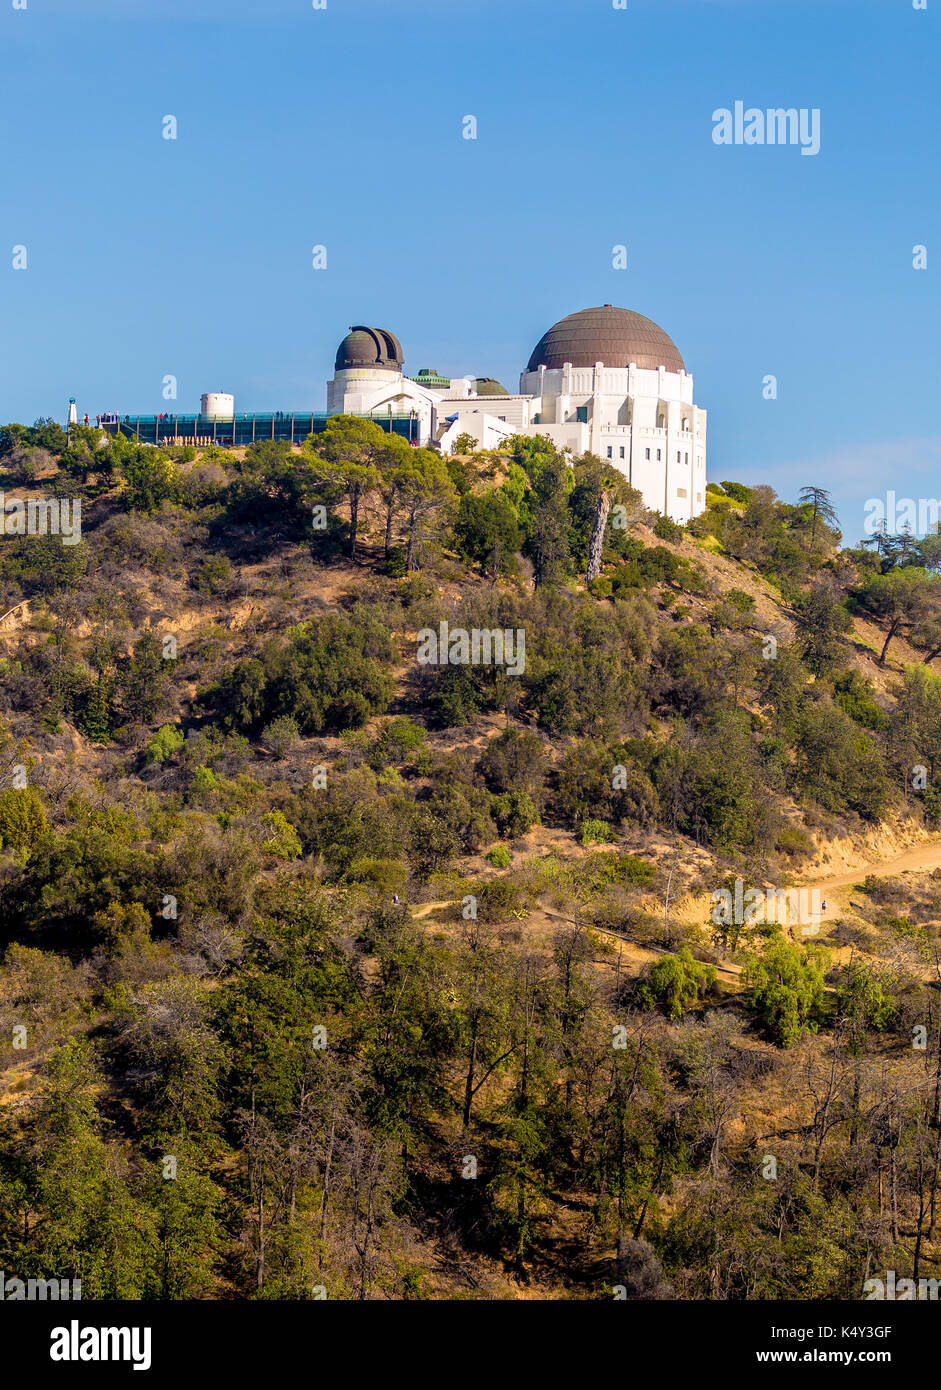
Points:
(429, 377)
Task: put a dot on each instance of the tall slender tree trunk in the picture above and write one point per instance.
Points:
(854, 1123)
(596, 545)
(389, 510)
(260, 1270)
(643, 1211)
(520, 1176)
(622, 1174)
(894, 1197)
(893, 628)
(354, 521)
(471, 1064)
(327, 1167)
(919, 1235)
(367, 1239)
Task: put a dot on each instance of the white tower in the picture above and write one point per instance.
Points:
(217, 405)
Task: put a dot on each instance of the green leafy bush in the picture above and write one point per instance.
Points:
(514, 813)
(785, 989)
(676, 982)
(595, 832)
(23, 820)
(666, 529)
(738, 492)
(328, 676)
(164, 744)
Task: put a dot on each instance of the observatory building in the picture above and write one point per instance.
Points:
(605, 381)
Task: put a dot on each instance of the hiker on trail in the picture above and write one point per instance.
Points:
(395, 897)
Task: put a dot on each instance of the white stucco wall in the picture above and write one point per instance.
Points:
(645, 421)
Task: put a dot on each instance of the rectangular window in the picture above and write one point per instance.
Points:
(658, 455)
(622, 451)
(677, 455)
(648, 453)
(610, 452)
(685, 456)
(681, 492)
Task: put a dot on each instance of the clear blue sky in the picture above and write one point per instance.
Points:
(342, 127)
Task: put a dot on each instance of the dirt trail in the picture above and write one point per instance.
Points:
(923, 857)
(425, 909)
(632, 950)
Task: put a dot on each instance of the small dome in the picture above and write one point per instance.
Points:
(369, 347)
(428, 376)
(616, 337)
(487, 386)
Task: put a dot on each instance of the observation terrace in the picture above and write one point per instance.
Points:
(240, 430)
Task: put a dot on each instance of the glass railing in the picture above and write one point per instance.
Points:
(240, 430)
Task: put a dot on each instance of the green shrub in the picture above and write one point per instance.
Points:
(738, 492)
(164, 744)
(284, 841)
(215, 576)
(785, 989)
(794, 841)
(23, 820)
(398, 742)
(328, 676)
(595, 832)
(514, 814)
(932, 804)
(676, 982)
(281, 735)
(388, 876)
(513, 760)
(740, 600)
(666, 529)
(630, 869)
(855, 694)
(394, 564)
(151, 479)
(498, 899)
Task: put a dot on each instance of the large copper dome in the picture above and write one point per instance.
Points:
(616, 337)
(369, 347)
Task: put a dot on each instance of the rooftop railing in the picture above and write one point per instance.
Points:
(240, 430)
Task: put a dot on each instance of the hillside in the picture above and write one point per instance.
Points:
(332, 972)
